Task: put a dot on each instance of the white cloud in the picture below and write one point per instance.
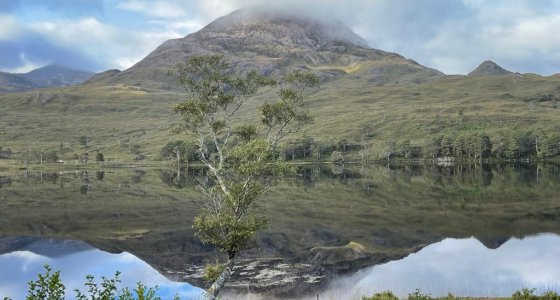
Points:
(534, 34)
(453, 36)
(463, 267)
(159, 8)
(9, 28)
(522, 37)
(106, 43)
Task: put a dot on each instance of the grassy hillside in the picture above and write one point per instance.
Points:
(124, 121)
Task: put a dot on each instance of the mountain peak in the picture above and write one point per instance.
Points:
(275, 42)
(287, 28)
(57, 75)
(488, 68)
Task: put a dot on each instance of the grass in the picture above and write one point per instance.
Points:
(125, 120)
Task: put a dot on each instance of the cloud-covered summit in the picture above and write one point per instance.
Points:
(453, 36)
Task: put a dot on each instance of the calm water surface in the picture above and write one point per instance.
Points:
(461, 217)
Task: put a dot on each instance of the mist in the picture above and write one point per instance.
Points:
(451, 36)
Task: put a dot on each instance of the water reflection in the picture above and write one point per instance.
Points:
(463, 267)
(388, 210)
(76, 260)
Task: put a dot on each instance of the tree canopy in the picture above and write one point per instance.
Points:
(241, 157)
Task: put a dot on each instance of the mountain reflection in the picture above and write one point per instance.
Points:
(75, 260)
(463, 267)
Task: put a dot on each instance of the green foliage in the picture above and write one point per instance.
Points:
(240, 171)
(226, 231)
(286, 115)
(529, 294)
(187, 151)
(83, 140)
(141, 292)
(36, 156)
(99, 157)
(246, 132)
(542, 98)
(107, 290)
(524, 294)
(47, 287)
(387, 295)
(550, 295)
(418, 295)
(212, 271)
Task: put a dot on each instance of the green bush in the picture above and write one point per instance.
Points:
(99, 157)
(49, 287)
(417, 295)
(387, 295)
(529, 294)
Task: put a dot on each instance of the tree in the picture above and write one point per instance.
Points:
(180, 151)
(84, 141)
(99, 157)
(244, 160)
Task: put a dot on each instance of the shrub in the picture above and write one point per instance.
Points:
(417, 295)
(49, 287)
(387, 295)
(99, 157)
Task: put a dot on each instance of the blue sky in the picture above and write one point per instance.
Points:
(453, 36)
(463, 267)
(20, 267)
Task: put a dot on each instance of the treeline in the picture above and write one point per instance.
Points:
(467, 145)
(456, 145)
(462, 145)
(41, 156)
(303, 148)
(477, 145)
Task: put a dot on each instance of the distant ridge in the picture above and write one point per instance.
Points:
(13, 83)
(45, 77)
(489, 68)
(56, 75)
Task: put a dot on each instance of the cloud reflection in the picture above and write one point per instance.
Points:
(18, 268)
(463, 267)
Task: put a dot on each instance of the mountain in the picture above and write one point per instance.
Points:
(13, 83)
(102, 76)
(45, 77)
(56, 76)
(368, 98)
(276, 43)
(489, 68)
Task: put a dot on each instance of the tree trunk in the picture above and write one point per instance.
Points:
(219, 283)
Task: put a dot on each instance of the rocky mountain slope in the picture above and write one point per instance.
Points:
(275, 43)
(12, 83)
(489, 68)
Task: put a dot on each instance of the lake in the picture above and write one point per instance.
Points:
(327, 227)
